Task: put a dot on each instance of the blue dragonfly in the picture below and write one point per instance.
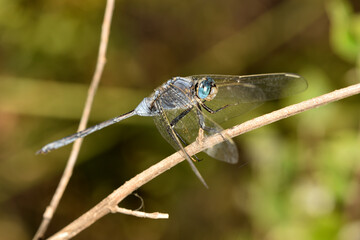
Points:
(184, 106)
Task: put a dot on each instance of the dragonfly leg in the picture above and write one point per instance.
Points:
(201, 118)
(213, 111)
(202, 122)
(203, 127)
(172, 125)
(180, 116)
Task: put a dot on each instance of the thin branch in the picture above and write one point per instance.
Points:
(154, 215)
(50, 210)
(112, 201)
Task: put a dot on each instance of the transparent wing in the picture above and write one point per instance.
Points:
(163, 124)
(168, 101)
(184, 132)
(187, 130)
(242, 93)
(225, 151)
(185, 123)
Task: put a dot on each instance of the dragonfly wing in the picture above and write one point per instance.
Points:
(242, 93)
(225, 151)
(177, 114)
(170, 104)
(187, 130)
(163, 124)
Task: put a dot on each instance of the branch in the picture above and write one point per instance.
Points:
(50, 210)
(111, 202)
(154, 215)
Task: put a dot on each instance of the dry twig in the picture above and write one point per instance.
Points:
(154, 215)
(50, 210)
(110, 203)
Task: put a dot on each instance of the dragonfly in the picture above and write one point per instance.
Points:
(183, 107)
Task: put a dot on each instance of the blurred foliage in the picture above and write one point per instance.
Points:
(345, 31)
(297, 179)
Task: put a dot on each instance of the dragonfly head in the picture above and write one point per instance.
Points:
(206, 89)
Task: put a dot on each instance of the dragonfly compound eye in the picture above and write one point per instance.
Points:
(207, 89)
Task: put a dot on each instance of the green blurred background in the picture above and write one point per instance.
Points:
(297, 179)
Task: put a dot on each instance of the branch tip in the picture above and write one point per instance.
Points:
(154, 215)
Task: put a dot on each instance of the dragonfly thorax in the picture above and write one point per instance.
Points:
(176, 93)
